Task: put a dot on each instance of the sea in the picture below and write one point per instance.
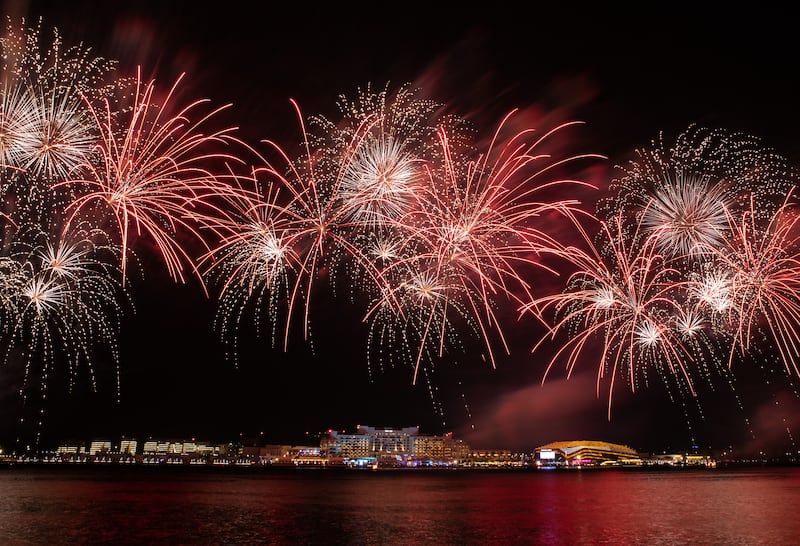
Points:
(240, 506)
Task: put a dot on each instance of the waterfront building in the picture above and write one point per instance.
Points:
(158, 446)
(393, 444)
(203, 449)
(346, 446)
(428, 449)
(128, 446)
(392, 447)
(71, 448)
(682, 459)
(99, 446)
(496, 458)
(438, 449)
(585, 453)
(389, 442)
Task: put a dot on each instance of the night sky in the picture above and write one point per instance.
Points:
(627, 75)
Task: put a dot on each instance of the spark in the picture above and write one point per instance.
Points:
(153, 175)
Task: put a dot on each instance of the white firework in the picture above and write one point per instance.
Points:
(378, 183)
(688, 214)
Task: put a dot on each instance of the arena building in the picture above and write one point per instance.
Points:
(580, 453)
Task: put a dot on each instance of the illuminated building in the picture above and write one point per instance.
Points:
(128, 446)
(369, 442)
(438, 448)
(70, 448)
(389, 441)
(432, 448)
(99, 446)
(348, 446)
(392, 446)
(585, 453)
(683, 459)
(307, 456)
(496, 458)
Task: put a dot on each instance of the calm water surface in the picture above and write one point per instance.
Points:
(256, 506)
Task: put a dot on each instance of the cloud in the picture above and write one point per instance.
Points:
(560, 409)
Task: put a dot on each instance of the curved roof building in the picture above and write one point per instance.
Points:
(588, 452)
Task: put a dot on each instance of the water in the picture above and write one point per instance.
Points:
(245, 506)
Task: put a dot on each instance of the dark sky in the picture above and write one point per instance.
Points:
(628, 75)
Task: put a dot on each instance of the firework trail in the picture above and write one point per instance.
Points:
(89, 163)
(253, 263)
(686, 190)
(153, 174)
(761, 287)
(622, 294)
(66, 292)
(284, 228)
(395, 199)
(473, 242)
(64, 298)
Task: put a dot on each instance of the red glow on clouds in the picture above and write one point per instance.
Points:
(538, 414)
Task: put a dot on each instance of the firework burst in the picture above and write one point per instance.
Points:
(684, 191)
(153, 174)
(65, 301)
(279, 233)
(623, 294)
(761, 287)
(472, 241)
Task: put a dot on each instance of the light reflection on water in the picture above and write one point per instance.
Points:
(256, 506)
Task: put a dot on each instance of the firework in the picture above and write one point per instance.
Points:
(55, 287)
(622, 295)
(395, 199)
(15, 119)
(471, 242)
(59, 293)
(65, 299)
(378, 151)
(761, 283)
(253, 262)
(152, 175)
(46, 126)
(288, 234)
(696, 254)
(684, 191)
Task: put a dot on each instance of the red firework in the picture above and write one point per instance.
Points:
(152, 172)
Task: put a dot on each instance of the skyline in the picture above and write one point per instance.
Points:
(172, 357)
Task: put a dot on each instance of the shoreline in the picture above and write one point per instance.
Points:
(282, 467)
